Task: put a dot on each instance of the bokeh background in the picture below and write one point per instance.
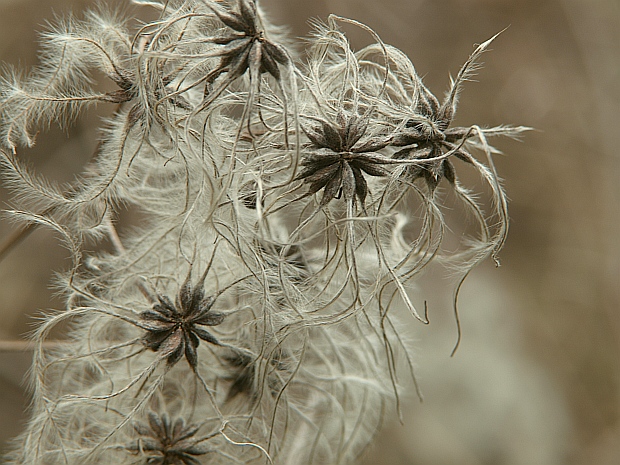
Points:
(536, 379)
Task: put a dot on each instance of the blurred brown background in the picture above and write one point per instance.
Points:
(537, 377)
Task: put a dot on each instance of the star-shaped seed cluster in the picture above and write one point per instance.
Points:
(427, 135)
(165, 442)
(245, 46)
(338, 156)
(175, 329)
(243, 372)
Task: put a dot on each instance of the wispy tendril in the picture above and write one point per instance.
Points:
(286, 205)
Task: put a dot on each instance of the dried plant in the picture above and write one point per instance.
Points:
(277, 259)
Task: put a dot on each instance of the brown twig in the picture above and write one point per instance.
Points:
(15, 238)
(25, 346)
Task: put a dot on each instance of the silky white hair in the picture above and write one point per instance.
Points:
(287, 207)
